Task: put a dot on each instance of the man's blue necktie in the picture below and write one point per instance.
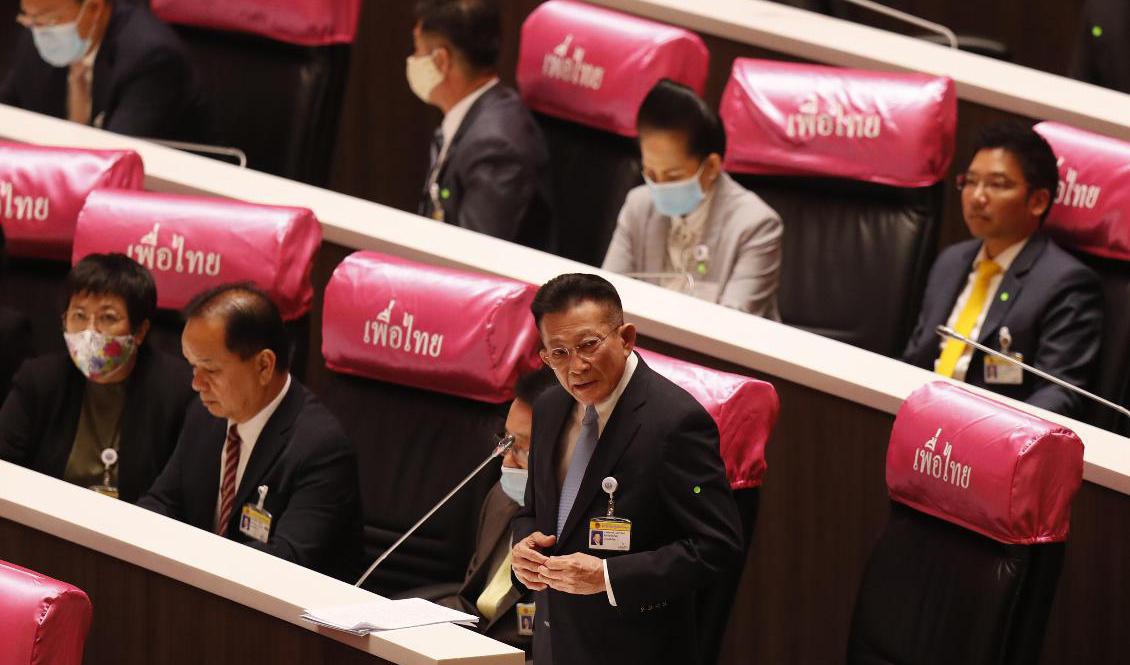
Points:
(582, 453)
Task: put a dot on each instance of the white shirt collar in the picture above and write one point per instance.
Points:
(454, 117)
(604, 409)
(249, 431)
(1005, 258)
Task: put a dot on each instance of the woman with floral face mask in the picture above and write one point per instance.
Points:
(690, 227)
(106, 413)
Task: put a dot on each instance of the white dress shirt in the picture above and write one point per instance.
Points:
(249, 432)
(1004, 260)
(573, 429)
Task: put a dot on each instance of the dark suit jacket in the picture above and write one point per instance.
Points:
(1054, 314)
(143, 82)
(304, 459)
(496, 172)
(493, 537)
(40, 417)
(15, 346)
(662, 448)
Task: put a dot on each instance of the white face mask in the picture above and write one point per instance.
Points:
(97, 355)
(514, 484)
(60, 45)
(423, 75)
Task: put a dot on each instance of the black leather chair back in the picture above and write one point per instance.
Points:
(279, 103)
(855, 256)
(592, 172)
(935, 593)
(1112, 376)
(34, 287)
(413, 446)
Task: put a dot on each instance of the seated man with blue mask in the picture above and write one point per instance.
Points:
(691, 227)
(487, 590)
(106, 63)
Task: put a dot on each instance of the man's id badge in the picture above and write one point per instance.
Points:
(610, 533)
(1001, 372)
(255, 521)
(525, 619)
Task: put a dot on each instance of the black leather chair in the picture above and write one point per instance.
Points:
(1112, 375)
(15, 346)
(280, 103)
(855, 256)
(967, 567)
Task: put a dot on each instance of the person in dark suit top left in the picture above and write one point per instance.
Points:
(110, 392)
(489, 167)
(106, 63)
(260, 460)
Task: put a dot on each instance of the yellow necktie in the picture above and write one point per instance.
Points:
(496, 590)
(966, 319)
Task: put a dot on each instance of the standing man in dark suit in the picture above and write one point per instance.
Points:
(106, 63)
(622, 451)
(489, 169)
(1011, 288)
(260, 460)
(110, 396)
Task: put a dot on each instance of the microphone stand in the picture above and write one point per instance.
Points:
(945, 331)
(504, 445)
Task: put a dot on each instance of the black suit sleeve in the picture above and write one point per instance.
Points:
(498, 189)
(166, 496)
(1070, 335)
(695, 494)
(152, 99)
(17, 419)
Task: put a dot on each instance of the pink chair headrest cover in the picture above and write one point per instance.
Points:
(42, 190)
(984, 465)
(42, 621)
(303, 22)
(594, 66)
(785, 118)
(438, 329)
(744, 409)
(193, 243)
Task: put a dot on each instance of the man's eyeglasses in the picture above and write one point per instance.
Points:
(561, 355)
(993, 184)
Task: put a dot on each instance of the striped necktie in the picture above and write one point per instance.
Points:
(227, 484)
(582, 453)
(967, 318)
(427, 201)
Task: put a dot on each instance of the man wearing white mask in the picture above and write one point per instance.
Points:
(489, 168)
(106, 413)
(690, 225)
(106, 63)
(505, 611)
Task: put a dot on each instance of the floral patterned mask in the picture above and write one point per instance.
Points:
(97, 355)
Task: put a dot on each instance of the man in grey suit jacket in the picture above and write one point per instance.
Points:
(489, 169)
(690, 218)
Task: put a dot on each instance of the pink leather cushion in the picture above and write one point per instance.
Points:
(983, 465)
(785, 118)
(42, 190)
(1092, 204)
(193, 243)
(745, 410)
(594, 66)
(42, 621)
(305, 22)
(434, 328)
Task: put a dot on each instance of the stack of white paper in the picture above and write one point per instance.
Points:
(374, 615)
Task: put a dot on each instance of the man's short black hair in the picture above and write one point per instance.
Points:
(252, 321)
(116, 275)
(1036, 158)
(473, 27)
(565, 291)
(674, 107)
(529, 387)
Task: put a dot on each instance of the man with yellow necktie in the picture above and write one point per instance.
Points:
(1011, 288)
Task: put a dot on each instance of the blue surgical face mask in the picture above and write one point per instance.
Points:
(60, 45)
(514, 484)
(677, 198)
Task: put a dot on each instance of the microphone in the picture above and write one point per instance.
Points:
(946, 331)
(504, 445)
(909, 18)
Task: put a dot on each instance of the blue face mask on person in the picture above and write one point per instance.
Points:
(514, 484)
(60, 45)
(677, 198)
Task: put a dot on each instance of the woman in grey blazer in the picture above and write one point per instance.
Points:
(692, 218)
